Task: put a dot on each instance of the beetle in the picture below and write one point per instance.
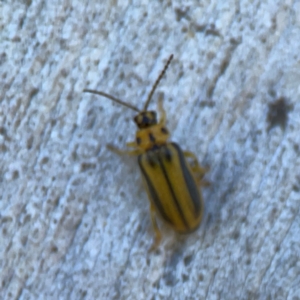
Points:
(171, 180)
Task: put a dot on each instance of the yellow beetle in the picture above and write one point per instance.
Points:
(171, 181)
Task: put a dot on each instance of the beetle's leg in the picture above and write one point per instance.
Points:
(131, 144)
(157, 232)
(197, 169)
(124, 152)
(161, 110)
(195, 166)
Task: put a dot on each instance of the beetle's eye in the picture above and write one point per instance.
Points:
(145, 119)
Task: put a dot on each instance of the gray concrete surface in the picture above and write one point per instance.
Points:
(74, 216)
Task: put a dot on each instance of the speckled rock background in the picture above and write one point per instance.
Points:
(74, 216)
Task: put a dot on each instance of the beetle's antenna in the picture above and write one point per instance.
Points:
(111, 98)
(157, 81)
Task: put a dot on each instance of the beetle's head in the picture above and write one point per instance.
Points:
(145, 119)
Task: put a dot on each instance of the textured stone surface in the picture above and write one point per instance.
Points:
(74, 216)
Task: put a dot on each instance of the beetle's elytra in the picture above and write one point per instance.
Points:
(172, 183)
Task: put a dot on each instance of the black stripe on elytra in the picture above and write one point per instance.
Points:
(176, 202)
(189, 181)
(152, 191)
